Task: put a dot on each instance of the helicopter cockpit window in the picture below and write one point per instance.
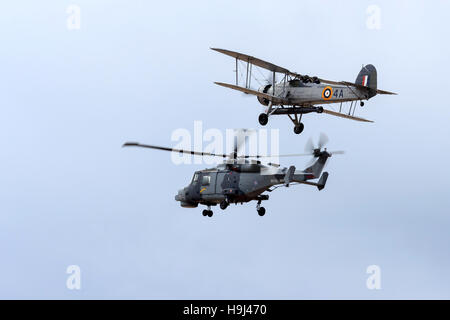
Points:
(195, 178)
(206, 180)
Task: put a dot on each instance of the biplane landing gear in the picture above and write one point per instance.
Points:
(261, 211)
(298, 125)
(299, 128)
(263, 119)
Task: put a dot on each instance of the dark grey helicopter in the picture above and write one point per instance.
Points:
(242, 178)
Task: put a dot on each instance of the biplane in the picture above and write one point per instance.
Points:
(297, 94)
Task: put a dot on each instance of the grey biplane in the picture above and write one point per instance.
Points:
(297, 94)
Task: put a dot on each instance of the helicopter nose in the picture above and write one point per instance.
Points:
(181, 196)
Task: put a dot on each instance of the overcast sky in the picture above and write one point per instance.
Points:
(139, 70)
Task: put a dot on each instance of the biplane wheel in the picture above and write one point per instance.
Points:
(299, 128)
(261, 211)
(263, 119)
(361, 104)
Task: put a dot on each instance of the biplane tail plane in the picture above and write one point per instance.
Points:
(297, 94)
(367, 77)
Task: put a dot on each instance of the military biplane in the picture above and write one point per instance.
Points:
(297, 94)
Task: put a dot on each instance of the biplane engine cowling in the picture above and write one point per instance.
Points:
(264, 89)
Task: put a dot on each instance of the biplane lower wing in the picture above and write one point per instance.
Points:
(346, 116)
(269, 97)
(277, 100)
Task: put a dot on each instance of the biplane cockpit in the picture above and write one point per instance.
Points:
(295, 83)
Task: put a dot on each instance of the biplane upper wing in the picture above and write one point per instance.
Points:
(253, 60)
(275, 99)
(267, 65)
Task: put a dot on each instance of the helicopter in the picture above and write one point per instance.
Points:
(243, 178)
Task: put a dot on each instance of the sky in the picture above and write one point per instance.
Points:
(138, 71)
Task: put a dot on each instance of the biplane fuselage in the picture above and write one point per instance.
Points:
(298, 93)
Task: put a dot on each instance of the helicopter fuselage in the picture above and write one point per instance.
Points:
(241, 179)
(234, 183)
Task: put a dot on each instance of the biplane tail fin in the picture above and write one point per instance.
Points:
(367, 77)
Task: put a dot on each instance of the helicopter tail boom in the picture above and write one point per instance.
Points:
(316, 168)
(320, 184)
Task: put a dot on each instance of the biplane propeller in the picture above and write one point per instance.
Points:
(297, 94)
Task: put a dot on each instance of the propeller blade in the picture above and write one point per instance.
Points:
(198, 153)
(309, 146)
(323, 140)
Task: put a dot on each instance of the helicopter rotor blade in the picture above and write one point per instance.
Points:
(336, 152)
(198, 153)
(277, 155)
(239, 138)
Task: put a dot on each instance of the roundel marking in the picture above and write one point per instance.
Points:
(327, 93)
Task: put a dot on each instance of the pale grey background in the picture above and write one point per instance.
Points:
(137, 70)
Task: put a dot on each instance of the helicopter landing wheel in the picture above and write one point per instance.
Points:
(224, 204)
(261, 211)
(207, 213)
(263, 119)
(299, 128)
